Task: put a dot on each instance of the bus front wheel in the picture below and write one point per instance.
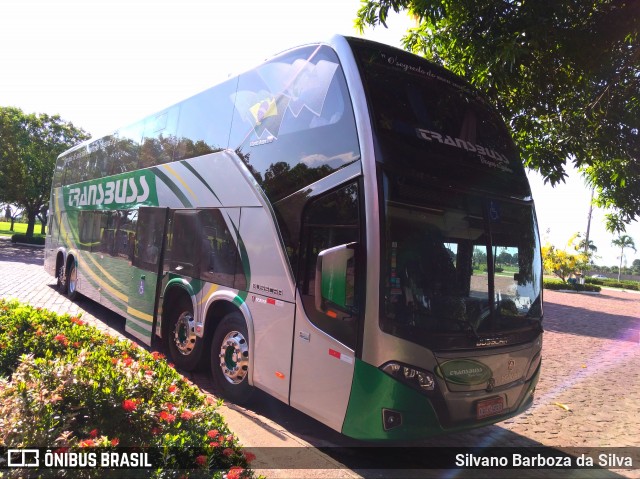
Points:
(185, 346)
(230, 359)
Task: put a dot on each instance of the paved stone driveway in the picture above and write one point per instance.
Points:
(591, 364)
(588, 395)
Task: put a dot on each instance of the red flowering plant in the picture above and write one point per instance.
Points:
(80, 388)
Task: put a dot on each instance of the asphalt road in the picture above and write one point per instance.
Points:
(587, 400)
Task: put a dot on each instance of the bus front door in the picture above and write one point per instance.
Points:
(146, 272)
(327, 320)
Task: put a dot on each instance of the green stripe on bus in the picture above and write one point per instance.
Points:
(175, 189)
(141, 324)
(185, 283)
(244, 256)
(99, 284)
(202, 180)
(372, 391)
(131, 324)
(240, 298)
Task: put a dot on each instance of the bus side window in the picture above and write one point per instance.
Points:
(159, 138)
(53, 227)
(329, 221)
(219, 255)
(58, 172)
(204, 121)
(126, 221)
(292, 120)
(107, 232)
(183, 255)
(127, 149)
(88, 229)
(148, 238)
(72, 171)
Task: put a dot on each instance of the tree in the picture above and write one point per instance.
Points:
(11, 213)
(29, 146)
(622, 242)
(565, 76)
(505, 257)
(562, 263)
(588, 248)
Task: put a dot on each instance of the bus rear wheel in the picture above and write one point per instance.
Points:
(185, 346)
(230, 359)
(72, 281)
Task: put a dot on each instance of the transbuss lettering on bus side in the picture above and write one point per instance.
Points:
(117, 191)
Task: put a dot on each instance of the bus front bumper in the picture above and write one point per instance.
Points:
(382, 408)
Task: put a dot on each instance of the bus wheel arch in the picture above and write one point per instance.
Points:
(231, 356)
(179, 329)
(217, 310)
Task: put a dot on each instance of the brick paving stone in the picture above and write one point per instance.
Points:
(588, 394)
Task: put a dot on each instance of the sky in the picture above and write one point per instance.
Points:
(103, 64)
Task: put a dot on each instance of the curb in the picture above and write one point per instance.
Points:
(28, 245)
(577, 292)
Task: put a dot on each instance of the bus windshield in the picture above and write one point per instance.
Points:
(461, 266)
(458, 264)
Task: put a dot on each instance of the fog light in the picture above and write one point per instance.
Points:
(391, 419)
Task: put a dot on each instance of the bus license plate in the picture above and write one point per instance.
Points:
(489, 407)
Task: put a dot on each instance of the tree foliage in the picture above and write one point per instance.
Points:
(564, 74)
(563, 263)
(29, 146)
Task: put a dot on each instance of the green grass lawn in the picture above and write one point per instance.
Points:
(17, 228)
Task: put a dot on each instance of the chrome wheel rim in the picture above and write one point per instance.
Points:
(61, 275)
(73, 279)
(184, 334)
(234, 357)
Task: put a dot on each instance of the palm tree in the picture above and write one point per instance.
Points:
(623, 241)
(587, 247)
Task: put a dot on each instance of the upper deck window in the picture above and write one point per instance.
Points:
(431, 124)
(293, 123)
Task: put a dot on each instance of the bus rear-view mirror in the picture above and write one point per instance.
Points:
(335, 279)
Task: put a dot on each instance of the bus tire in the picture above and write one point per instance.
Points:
(185, 347)
(61, 283)
(230, 359)
(71, 281)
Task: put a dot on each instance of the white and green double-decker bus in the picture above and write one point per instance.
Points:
(347, 227)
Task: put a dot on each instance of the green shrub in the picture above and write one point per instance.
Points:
(20, 238)
(68, 385)
(557, 284)
(612, 283)
(496, 269)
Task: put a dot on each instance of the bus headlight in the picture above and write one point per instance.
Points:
(410, 375)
